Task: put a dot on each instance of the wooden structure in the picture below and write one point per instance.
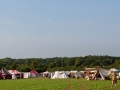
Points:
(97, 73)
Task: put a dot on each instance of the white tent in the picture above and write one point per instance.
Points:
(113, 69)
(59, 74)
(75, 73)
(46, 74)
(104, 73)
(26, 74)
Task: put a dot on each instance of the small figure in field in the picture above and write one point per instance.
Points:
(114, 78)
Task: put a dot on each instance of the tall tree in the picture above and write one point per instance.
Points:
(33, 64)
(13, 66)
(77, 61)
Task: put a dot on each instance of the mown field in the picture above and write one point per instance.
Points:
(56, 84)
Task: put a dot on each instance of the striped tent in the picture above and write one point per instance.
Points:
(4, 74)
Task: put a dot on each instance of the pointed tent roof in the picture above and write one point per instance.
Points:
(103, 72)
(14, 72)
(34, 72)
(4, 72)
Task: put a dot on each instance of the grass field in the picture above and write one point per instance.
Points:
(56, 84)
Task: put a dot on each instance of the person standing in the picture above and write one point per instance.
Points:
(114, 78)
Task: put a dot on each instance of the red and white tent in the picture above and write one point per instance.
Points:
(4, 74)
(33, 73)
(15, 74)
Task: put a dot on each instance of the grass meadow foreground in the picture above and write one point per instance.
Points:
(56, 84)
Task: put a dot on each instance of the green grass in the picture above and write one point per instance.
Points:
(56, 84)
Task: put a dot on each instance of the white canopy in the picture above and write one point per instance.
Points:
(60, 74)
(113, 69)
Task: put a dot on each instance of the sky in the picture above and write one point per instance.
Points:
(59, 28)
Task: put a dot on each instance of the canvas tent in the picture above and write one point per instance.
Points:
(113, 69)
(46, 74)
(97, 73)
(82, 73)
(33, 73)
(4, 74)
(15, 74)
(74, 74)
(59, 75)
(26, 74)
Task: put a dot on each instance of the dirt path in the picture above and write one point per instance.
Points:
(83, 86)
(68, 87)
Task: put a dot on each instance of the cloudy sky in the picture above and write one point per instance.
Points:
(59, 28)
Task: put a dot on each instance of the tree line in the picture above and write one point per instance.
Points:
(60, 63)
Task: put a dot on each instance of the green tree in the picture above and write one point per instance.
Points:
(77, 62)
(34, 64)
(51, 65)
(13, 66)
(71, 62)
(25, 69)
